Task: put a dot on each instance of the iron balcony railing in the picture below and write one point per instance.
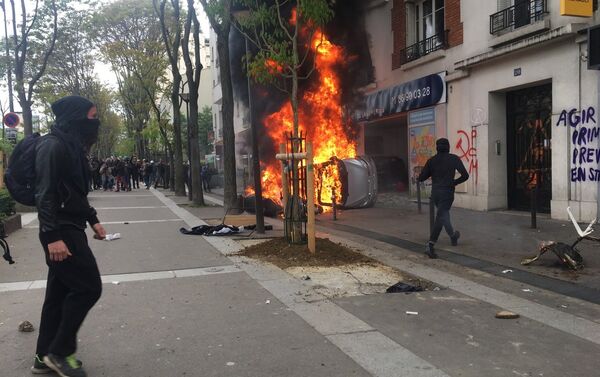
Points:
(436, 42)
(521, 14)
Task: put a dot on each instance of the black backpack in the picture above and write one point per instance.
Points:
(20, 174)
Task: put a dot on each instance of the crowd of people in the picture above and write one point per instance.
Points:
(125, 173)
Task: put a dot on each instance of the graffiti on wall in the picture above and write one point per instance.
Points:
(466, 144)
(585, 150)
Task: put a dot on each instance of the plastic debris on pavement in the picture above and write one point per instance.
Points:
(412, 313)
(527, 290)
(116, 282)
(111, 237)
(507, 271)
(268, 302)
(401, 287)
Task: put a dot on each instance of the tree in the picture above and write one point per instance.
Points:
(219, 15)
(130, 40)
(170, 24)
(282, 32)
(193, 70)
(205, 129)
(34, 37)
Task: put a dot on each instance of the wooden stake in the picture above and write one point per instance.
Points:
(284, 182)
(310, 198)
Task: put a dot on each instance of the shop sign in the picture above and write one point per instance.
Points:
(426, 116)
(579, 8)
(423, 92)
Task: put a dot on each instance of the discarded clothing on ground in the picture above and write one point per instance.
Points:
(568, 255)
(401, 287)
(211, 230)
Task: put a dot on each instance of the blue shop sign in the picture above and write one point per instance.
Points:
(423, 92)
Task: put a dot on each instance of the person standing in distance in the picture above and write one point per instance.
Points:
(442, 169)
(61, 189)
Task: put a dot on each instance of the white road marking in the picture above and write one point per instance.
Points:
(122, 222)
(136, 276)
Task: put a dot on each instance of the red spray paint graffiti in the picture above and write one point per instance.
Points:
(466, 146)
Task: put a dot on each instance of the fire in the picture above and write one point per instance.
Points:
(321, 120)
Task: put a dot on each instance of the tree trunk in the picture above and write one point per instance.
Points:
(229, 166)
(177, 143)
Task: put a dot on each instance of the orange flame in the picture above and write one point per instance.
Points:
(321, 120)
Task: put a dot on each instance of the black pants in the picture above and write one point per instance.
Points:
(73, 288)
(443, 201)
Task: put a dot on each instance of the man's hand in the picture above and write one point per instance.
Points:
(58, 251)
(100, 232)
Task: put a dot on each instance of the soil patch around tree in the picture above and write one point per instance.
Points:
(334, 270)
(284, 255)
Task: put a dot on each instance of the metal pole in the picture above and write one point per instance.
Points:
(9, 66)
(189, 133)
(258, 202)
(431, 214)
(419, 196)
(534, 207)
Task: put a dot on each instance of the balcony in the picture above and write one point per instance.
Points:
(436, 42)
(521, 14)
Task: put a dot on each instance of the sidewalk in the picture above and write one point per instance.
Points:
(182, 305)
(500, 237)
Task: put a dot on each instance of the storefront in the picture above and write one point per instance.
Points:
(399, 128)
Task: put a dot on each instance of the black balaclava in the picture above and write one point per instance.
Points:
(442, 145)
(71, 118)
(78, 133)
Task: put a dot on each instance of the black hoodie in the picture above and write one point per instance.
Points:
(62, 172)
(442, 168)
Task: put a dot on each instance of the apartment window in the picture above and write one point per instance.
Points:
(425, 29)
(513, 14)
(429, 18)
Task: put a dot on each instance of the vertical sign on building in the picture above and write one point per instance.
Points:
(421, 146)
(578, 8)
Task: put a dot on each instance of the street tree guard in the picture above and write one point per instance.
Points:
(310, 184)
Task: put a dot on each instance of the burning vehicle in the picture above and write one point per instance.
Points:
(357, 182)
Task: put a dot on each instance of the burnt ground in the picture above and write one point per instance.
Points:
(329, 254)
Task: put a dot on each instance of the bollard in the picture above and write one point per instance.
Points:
(334, 205)
(534, 207)
(419, 196)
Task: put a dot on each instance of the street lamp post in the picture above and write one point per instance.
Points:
(186, 98)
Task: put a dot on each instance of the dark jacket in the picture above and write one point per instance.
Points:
(442, 169)
(62, 170)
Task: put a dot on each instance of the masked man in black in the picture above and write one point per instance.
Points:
(61, 190)
(442, 169)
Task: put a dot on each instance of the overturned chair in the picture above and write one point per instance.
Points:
(567, 254)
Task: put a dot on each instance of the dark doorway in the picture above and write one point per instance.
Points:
(529, 113)
(386, 142)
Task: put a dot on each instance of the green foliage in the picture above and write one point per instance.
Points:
(275, 33)
(7, 204)
(205, 127)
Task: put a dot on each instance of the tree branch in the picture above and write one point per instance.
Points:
(47, 54)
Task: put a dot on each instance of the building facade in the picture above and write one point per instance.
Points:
(505, 81)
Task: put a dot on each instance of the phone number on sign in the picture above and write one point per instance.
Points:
(409, 96)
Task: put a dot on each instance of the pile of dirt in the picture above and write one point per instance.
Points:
(278, 252)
